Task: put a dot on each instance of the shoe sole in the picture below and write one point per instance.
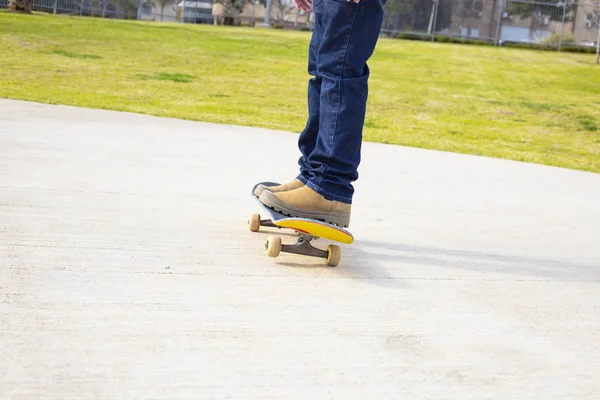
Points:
(339, 218)
(259, 189)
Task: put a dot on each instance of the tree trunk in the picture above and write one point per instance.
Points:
(396, 27)
(20, 6)
(281, 12)
(492, 20)
(162, 10)
(532, 27)
(598, 45)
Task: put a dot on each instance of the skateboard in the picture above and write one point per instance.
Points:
(307, 230)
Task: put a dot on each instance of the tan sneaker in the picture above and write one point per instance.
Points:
(306, 203)
(295, 184)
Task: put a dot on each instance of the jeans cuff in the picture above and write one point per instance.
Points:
(326, 194)
(302, 179)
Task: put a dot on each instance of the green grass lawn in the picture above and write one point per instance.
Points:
(533, 106)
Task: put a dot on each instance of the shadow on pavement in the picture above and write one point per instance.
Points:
(476, 261)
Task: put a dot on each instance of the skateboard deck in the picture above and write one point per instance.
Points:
(307, 226)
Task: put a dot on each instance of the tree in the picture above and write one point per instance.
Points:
(231, 9)
(20, 6)
(283, 7)
(94, 4)
(400, 11)
(417, 15)
(130, 7)
(465, 9)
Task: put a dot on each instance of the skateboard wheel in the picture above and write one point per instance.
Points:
(254, 222)
(273, 246)
(334, 255)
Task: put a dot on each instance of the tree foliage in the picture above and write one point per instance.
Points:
(20, 6)
(282, 8)
(232, 8)
(129, 7)
(417, 15)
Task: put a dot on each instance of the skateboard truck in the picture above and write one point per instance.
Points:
(274, 247)
(303, 247)
(267, 223)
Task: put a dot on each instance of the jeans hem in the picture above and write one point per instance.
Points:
(328, 195)
(302, 179)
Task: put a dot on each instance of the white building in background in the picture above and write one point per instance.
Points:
(197, 12)
(206, 12)
(192, 11)
(587, 23)
(282, 12)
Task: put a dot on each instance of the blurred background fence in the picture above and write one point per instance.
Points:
(550, 23)
(92, 8)
(555, 24)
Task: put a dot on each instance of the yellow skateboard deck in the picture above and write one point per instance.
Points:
(315, 228)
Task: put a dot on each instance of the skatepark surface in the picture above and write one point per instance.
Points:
(127, 270)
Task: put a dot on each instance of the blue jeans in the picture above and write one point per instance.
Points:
(344, 38)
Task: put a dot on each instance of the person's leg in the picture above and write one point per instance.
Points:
(349, 33)
(308, 137)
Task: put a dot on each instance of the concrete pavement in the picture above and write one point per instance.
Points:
(127, 270)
